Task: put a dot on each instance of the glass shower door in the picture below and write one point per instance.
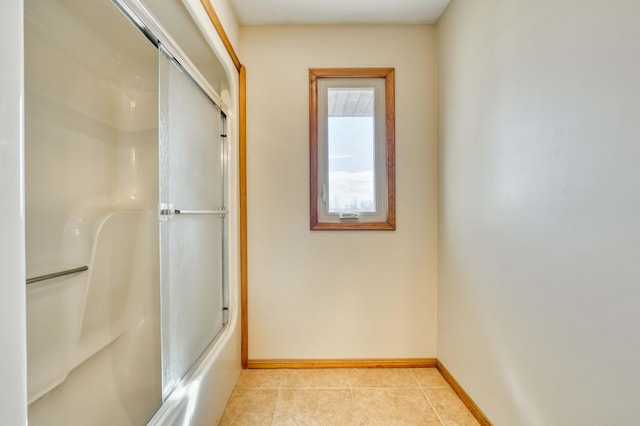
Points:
(192, 220)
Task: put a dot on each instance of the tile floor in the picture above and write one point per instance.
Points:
(341, 397)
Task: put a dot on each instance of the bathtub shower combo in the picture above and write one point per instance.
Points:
(130, 159)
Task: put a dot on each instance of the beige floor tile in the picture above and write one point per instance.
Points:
(389, 407)
(430, 378)
(297, 407)
(322, 397)
(448, 406)
(316, 378)
(260, 379)
(382, 377)
(250, 407)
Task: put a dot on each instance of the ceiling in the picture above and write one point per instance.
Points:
(268, 12)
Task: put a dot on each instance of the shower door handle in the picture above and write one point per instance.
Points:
(167, 211)
(220, 212)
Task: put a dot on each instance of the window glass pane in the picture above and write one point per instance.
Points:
(351, 149)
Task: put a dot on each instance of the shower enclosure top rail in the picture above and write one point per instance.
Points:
(56, 274)
(140, 16)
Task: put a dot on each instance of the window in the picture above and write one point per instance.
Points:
(352, 145)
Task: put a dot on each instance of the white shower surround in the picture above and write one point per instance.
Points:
(202, 395)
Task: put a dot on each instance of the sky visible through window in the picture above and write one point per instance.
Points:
(351, 147)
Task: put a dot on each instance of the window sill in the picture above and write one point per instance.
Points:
(354, 226)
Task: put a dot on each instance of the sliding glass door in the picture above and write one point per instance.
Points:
(192, 225)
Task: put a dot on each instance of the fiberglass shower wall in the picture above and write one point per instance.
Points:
(91, 131)
(97, 353)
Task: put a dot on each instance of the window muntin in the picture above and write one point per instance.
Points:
(352, 149)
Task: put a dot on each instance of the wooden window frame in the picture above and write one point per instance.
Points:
(388, 74)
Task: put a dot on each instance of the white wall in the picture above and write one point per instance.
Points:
(540, 208)
(328, 294)
(13, 393)
(228, 19)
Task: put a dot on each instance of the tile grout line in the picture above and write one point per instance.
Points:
(315, 387)
(353, 402)
(275, 410)
(427, 398)
(432, 407)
